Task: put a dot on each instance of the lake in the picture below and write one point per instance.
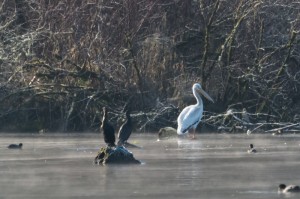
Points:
(214, 166)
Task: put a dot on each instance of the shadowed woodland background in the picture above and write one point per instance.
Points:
(62, 61)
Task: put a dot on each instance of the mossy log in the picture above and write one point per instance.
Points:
(112, 155)
(167, 132)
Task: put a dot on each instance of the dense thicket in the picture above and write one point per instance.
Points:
(61, 61)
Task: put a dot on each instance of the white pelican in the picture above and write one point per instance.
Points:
(190, 116)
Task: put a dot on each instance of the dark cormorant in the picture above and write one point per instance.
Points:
(108, 130)
(125, 130)
(15, 146)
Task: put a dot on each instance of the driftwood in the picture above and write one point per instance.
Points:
(234, 121)
(242, 121)
(286, 127)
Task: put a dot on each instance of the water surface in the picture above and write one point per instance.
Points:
(213, 166)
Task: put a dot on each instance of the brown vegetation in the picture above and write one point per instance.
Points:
(61, 61)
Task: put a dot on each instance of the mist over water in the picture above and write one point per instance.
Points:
(213, 166)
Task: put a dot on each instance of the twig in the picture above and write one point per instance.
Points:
(277, 129)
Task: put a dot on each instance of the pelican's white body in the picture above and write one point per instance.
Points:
(189, 118)
(191, 115)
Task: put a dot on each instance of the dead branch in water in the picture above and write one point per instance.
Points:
(235, 121)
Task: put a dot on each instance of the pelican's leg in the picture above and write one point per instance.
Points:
(194, 133)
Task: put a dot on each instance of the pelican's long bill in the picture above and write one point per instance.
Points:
(206, 95)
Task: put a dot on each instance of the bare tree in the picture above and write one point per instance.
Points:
(60, 61)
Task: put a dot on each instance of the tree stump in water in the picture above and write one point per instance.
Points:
(118, 155)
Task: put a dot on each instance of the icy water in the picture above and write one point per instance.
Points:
(215, 166)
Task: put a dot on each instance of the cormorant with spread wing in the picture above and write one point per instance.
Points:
(125, 130)
(108, 130)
